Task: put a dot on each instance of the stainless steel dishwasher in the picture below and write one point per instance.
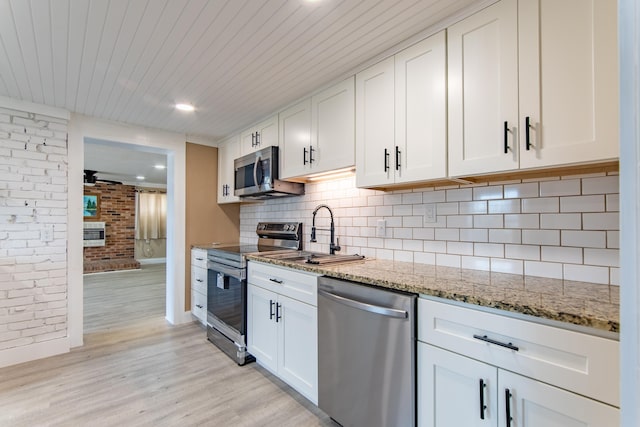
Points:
(366, 354)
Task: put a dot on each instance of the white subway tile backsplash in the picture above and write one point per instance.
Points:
(521, 191)
(560, 254)
(601, 221)
(600, 185)
(449, 234)
(488, 221)
(435, 246)
(477, 207)
(460, 248)
(476, 263)
(447, 260)
(412, 198)
(546, 227)
(541, 237)
(505, 236)
(493, 250)
(510, 266)
(613, 202)
(424, 258)
(582, 204)
(561, 221)
(583, 239)
(522, 221)
(529, 252)
(474, 235)
(543, 269)
(459, 195)
(423, 233)
(586, 273)
(603, 257)
(504, 206)
(487, 193)
(460, 221)
(540, 205)
(569, 187)
(433, 196)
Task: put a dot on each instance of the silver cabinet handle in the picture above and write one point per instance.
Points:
(385, 311)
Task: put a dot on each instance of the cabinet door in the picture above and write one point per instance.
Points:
(262, 332)
(261, 135)
(375, 125)
(298, 346)
(333, 127)
(421, 110)
(295, 139)
(449, 390)
(483, 91)
(228, 151)
(533, 404)
(568, 81)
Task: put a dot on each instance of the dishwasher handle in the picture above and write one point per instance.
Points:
(385, 311)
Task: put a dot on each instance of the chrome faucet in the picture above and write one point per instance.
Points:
(332, 246)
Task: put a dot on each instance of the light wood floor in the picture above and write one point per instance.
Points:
(140, 371)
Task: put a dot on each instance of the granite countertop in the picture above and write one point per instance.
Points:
(579, 303)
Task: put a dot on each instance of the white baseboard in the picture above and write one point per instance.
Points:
(27, 353)
(185, 317)
(152, 260)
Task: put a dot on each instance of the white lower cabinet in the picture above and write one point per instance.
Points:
(455, 390)
(483, 369)
(199, 284)
(282, 332)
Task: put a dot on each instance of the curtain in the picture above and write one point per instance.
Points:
(151, 218)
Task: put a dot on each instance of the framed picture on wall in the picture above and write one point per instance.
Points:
(91, 206)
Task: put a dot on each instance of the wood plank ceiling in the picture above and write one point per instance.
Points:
(235, 60)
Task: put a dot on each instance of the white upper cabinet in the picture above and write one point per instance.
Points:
(421, 107)
(568, 81)
(522, 71)
(401, 117)
(333, 127)
(483, 91)
(375, 124)
(228, 151)
(295, 140)
(261, 135)
(317, 135)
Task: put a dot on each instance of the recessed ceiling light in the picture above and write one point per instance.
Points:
(160, 166)
(140, 177)
(185, 107)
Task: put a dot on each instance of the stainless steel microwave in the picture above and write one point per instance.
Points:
(256, 177)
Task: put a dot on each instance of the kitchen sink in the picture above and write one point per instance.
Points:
(314, 258)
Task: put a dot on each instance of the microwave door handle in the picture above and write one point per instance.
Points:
(255, 172)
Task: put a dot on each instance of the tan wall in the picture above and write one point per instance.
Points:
(206, 221)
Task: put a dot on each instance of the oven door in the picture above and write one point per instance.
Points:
(254, 173)
(226, 299)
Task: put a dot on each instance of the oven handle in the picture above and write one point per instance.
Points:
(236, 273)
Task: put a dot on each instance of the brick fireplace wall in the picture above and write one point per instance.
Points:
(118, 210)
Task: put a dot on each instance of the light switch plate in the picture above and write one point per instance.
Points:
(430, 216)
(381, 228)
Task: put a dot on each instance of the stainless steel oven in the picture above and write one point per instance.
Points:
(227, 286)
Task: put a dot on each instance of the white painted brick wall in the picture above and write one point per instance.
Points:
(33, 198)
(563, 227)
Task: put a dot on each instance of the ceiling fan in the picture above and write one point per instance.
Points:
(90, 178)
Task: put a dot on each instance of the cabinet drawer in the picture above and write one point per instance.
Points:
(199, 258)
(292, 283)
(199, 279)
(575, 361)
(199, 306)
